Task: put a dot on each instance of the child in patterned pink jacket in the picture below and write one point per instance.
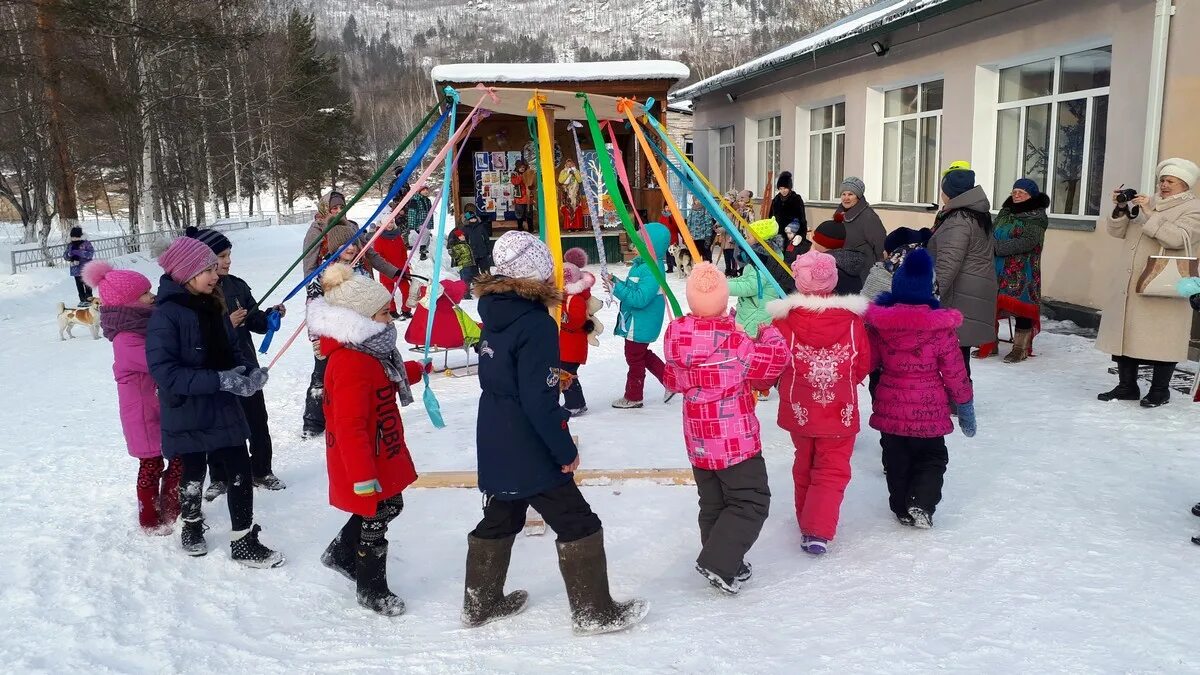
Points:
(818, 391)
(923, 372)
(711, 362)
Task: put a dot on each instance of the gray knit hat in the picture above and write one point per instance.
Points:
(521, 255)
(853, 184)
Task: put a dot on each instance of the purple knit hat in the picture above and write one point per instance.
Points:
(185, 258)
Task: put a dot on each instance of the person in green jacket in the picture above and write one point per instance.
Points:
(752, 292)
(640, 317)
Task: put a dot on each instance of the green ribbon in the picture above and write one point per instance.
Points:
(614, 189)
(531, 123)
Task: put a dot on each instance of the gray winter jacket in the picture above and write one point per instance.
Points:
(964, 264)
(865, 234)
(313, 257)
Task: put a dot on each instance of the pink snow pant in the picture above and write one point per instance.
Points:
(820, 472)
(640, 359)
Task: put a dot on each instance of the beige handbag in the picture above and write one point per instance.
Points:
(1163, 271)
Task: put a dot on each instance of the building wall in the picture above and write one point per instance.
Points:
(965, 48)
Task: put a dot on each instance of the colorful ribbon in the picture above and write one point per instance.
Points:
(549, 188)
(593, 206)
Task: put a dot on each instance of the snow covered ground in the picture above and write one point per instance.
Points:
(1061, 545)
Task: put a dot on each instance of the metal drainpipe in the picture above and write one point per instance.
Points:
(1163, 11)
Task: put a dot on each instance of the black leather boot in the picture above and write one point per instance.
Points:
(1160, 386)
(1127, 386)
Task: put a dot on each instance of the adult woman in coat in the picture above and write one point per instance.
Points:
(865, 233)
(964, 259)
(1019, 234)
(1140, 329)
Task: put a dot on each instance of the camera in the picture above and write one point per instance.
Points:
(1125, 195)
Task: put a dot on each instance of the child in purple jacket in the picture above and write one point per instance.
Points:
(915, 344)
(126, 306)
(79, 253)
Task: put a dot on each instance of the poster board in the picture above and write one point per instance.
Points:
(493, 183)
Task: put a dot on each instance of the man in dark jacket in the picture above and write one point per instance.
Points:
(525, 451)
(787, 206)
(245, 317)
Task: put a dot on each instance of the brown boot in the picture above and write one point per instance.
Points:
(585, 571)
(487, 569)
(1020, 351)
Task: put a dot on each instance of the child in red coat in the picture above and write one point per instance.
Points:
(818, 391)
(367, 459)
(391, 246)
(577, 327)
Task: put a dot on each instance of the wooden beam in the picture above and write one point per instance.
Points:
(585, 477)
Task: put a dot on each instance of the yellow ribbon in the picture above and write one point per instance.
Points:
(548, 186)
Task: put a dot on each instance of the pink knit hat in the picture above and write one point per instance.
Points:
(185, 258)
(707, 291)
(816, 273)
(116, 287)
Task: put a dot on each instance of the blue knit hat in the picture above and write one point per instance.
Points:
(1028, 185)
(912, 282)
(957, 182)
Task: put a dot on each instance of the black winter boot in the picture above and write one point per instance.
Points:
(248, 551)
(1160, 386)
(191, 535)
(585, 571)
(339, 556)
(1127, 386)
(484, 600)
(371, 575)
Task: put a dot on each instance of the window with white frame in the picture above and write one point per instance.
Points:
(912, 134)
(826, 150)
(725, 156)
(1050, 126)
(770, 138)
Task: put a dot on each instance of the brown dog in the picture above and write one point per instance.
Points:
(88, 316)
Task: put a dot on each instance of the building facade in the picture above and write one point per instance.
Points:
(1081, 95)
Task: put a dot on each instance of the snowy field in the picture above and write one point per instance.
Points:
(1061, 544)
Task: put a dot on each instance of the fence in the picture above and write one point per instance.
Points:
(111, 247)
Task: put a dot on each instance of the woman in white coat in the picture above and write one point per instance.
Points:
(1141, 329)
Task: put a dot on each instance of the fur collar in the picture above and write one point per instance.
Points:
(913, 317)
(339, 323)
(1039, 202)
(544, 292)
(1162, 204)
(817, 303)
(585, 282)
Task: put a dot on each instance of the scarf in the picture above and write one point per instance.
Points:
(382, 346)
(1164, 203)
(119, 319)
(210, 312)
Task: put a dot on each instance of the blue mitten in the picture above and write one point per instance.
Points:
(966, 418)
(1189, 286)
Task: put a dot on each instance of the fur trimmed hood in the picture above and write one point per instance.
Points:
(1038, 202)
(339, 323)
(544, 292)
(913, 318)
(778, 309)
(586, 282)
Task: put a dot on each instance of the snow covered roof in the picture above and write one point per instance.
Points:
(867, 19)
(520, 73)
(681, 106)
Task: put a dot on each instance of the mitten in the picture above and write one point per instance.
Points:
(589, 326)
(259, 378)
(966, 418)
(367, 488)
(1189, 286)
(413, 371)
(234, 382)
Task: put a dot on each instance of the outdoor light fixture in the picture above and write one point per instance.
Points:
(730, 97)
(879, 48)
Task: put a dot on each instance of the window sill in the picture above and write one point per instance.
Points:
(908, 207)
(1072, 223)
(823, 205)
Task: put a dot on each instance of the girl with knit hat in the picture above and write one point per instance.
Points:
(79, 253)
(192, 354)
(818, 391)
(711, 362)
(578, 326)
(751, 291)
(830, 237)
(125, 309)
(915, 344)
(365, 452)
(527, 456)
(640, 317)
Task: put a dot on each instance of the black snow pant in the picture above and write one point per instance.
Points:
(915, 469)
(705, 251)
(573, 395)
(236, 466)
(966, 354)
(731, 268)
(83, 290)
(255, 408)
(314, 414)
(734, 504)
(563, 508)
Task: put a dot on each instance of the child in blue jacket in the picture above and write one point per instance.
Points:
(640, 318)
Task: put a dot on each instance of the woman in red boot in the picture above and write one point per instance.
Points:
(367, 458)
(391, 246)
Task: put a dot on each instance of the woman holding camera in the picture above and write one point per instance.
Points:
(1142, 329)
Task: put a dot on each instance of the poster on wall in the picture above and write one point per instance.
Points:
(493, 186)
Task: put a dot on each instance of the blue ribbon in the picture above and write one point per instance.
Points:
(273, 323)
(691, 183)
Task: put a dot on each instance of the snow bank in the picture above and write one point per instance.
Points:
(472, 73)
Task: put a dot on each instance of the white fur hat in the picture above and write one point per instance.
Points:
(344, 288)
(1183, 169)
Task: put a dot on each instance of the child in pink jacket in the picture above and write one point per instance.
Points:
(125, 309)
(818, 391)
(711, 362)
(916, 345)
